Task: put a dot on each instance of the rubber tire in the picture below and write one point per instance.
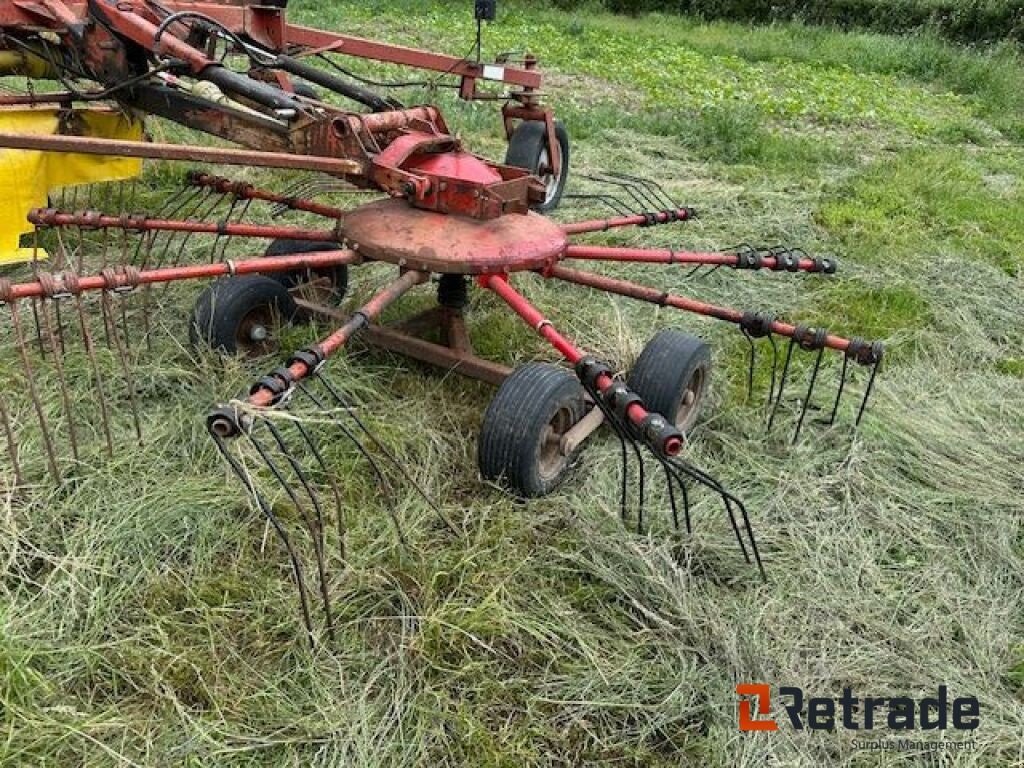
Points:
(664, 370)
(525, 146)
(225, 303)
(515, 422)
(338, 275)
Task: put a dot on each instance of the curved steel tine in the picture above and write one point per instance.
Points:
(782, 383)
(315, 526)
(58, 367)
(867, 392)
(329, 476)
(775, 368)
(629, 189)
(197, 212)
(657, 192)
(671, 497)
(122, 354)
(625, 439)
(30, 382)
(810, 392)
(349, 411)
(693, 474)
(654, 193)
(729, 499)
(282, 534)
(708, 274)
(362, 450)
(225, 218)
(839, 392)
(187, 195)
(753, 361)
(617, 206)
(12, 445)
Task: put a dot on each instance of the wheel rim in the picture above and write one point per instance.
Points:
(689, 403)
(255, 333)
(545, 174)
(552, 461)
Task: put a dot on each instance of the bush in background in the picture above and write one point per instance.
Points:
(965, 20)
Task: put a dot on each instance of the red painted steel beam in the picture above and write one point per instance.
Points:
(70, 284)
(637, 220)
(48, 217)
(410, 57)
(262, 396)
(155, 151)
(663, 299)
(667, 256)
(532, 316)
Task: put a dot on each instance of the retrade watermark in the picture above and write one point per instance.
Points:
(904, 720)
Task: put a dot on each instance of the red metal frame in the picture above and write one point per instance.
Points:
(390, 150)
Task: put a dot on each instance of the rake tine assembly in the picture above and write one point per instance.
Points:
(438, 210)
(753, 324)
(274, 392)
(268, 513)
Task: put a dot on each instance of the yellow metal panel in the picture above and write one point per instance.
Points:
(27, 178)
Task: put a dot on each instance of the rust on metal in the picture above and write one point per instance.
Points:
(392, 231)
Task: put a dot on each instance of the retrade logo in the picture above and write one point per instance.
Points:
(762, 695)
(897, 713)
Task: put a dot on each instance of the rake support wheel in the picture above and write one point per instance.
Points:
(521, 435)
(240, 315)
(527, 149)
(672, 376)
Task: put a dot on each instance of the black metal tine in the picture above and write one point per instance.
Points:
(708, 274)
(30, 381)
(839, 392)
(692, 472)
(642, 188)
(753, 362)
(674, 477)
(729, 499)
(362, 450)
(810, 392)
(775, 367)
(282, 534)
(782, 382)
(693, 272)
(227, 240)
(12, 445)
(867, 392)
(329, 476)
(656, 191)
(188, 195)
(671, 497)
(122, 354)
(349, 411)
(629, 189)
(226, 218)
(618, 206)
(625, 439)
(315, 526)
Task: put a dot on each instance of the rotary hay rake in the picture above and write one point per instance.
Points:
(439, 212)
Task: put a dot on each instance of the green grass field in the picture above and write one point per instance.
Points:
(148, 618)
